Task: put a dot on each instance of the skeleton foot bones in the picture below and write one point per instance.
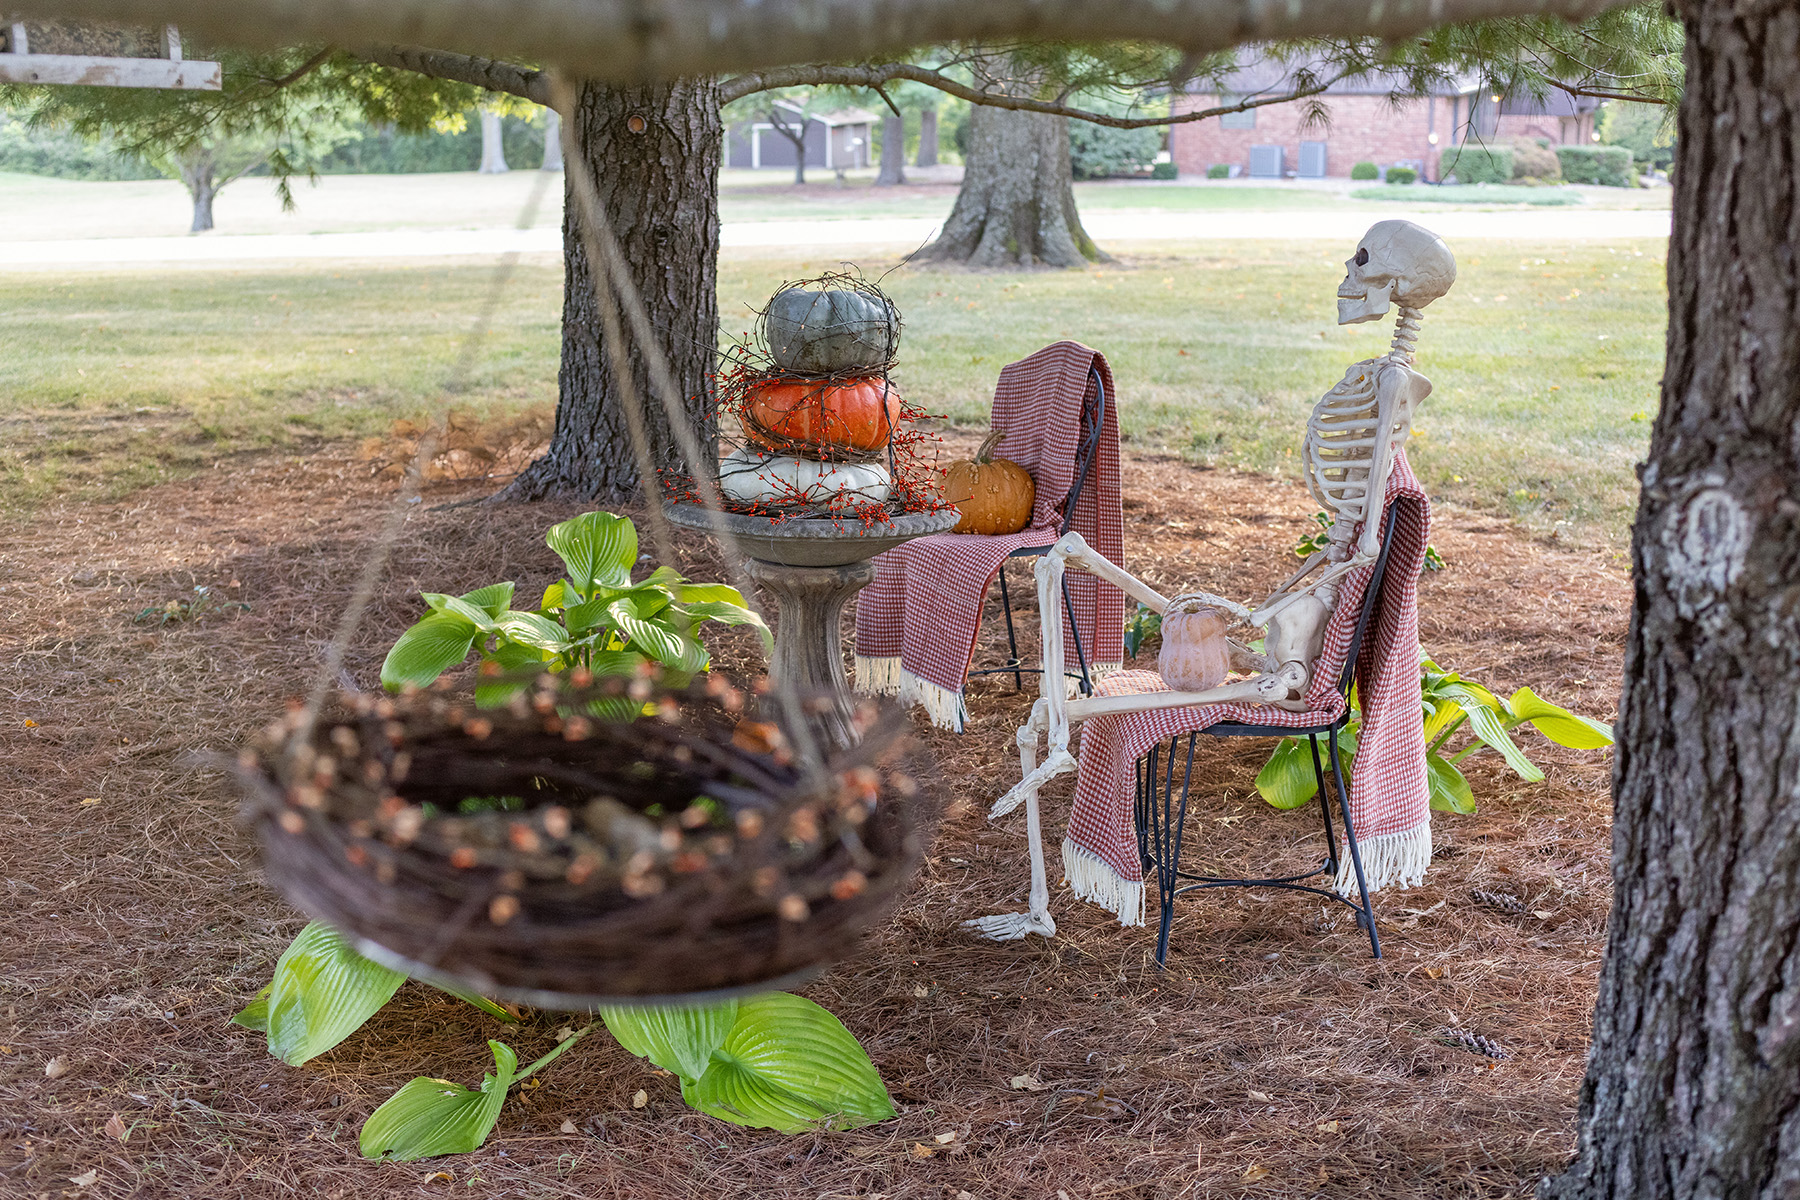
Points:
(1348, 452)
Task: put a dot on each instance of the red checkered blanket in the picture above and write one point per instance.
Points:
(916, 623)
(1388, 797)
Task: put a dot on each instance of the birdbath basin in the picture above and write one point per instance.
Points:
(813, 565)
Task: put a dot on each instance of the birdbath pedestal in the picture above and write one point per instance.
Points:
(813, 566)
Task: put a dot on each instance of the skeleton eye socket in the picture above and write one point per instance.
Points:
(1362, 256)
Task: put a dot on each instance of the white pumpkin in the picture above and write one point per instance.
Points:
(752, 478)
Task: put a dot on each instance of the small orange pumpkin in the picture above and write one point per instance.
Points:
(993, 495)
(1195, 655)
(856, 415)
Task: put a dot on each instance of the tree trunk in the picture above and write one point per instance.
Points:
(893, 152)
(1016, 207)
(660, 188)
(1693, 1084)
(927, 139)
(493, 146)
(552, 141)
(198, 172)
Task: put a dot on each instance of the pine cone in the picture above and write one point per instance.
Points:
(1474, 1043)
(1506, 902)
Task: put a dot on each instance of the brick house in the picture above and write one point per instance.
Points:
(1365, 125)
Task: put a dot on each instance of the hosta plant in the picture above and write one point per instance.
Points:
(594, 618)
(1452, 706)
(773, 1061)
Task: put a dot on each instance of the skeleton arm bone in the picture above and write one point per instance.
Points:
(1391, 405)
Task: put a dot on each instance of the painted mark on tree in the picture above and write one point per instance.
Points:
(1706, 538)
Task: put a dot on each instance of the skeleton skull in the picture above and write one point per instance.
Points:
(1397, 262)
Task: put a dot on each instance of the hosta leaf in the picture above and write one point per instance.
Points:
(255, 1015)
(1439, 716)
(1490, 727)
(531, 629)
(427, 650)
(705, 593)
(322, 993)
(1287, 780)
(479, 1001)
(493, 599)
(789, 1065)
(1450, 792)
(429, 1117)
(1559, 724)
(726, 613)
(513, 658)
(676, 1038)
(598, 548)
(656, 640)
(584, 616)
(473, 614)
(555, 596)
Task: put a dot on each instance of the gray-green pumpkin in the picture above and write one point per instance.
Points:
(830, 331)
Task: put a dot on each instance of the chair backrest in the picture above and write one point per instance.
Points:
(1093, 426)
(1370, 602)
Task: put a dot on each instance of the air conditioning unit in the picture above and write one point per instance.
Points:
(1267, 162)
(1312, 160)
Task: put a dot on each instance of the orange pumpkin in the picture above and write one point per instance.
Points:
(855, 415)
(993, 495)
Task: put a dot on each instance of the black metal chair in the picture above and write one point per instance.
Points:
(1093, 426)
(1161, 821)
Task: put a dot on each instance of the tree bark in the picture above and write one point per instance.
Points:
(660, 189)
(493, 144)
(1016, 207)
(198, 172)
(893, 152)
(553, 160)
(1693, 1085)
(928, 138)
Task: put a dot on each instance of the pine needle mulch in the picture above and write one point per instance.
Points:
(1274, 1057)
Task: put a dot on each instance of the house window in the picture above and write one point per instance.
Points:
(1237, 120)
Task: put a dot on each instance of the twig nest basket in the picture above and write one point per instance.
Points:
(545, 855)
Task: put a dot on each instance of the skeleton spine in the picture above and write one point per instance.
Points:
(1406, 335)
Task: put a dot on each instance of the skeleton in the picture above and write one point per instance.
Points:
(1348, 453)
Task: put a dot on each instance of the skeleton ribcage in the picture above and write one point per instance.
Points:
(1339, 449)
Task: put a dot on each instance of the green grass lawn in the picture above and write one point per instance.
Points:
(1546, 360)
(1473, 193)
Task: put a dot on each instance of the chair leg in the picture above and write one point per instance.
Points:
(1172, 824)
(1012, 637)
(1366, 916)
(1331, 851)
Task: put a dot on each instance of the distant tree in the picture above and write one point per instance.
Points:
(493, 147)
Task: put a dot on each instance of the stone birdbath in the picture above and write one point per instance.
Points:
(813, 565)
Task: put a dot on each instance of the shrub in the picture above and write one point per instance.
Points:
(1219, 171)
(1608, 166)
(1401, 175)
(1534, 160)
(64, 155)
(1365, 170)
(1163, 170)
(1097, 151)
(1477, 164)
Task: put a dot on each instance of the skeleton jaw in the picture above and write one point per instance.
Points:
(1355, 307)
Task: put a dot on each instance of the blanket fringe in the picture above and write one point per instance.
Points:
(879, 676)
(1392, 858)
(1090, 878)
(944, 706)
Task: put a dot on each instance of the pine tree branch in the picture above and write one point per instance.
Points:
(823, 74)
(639, 40)
(488, 73)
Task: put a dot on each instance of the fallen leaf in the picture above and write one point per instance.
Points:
(569, 1127)
(85, 1179)
(115, 1128)
(564, 1034)
(30, 724)
(642, 1098)
(1542, 914)
(56, 1068)
(1028, 1083)
(920, 1150)
(920, 991)
(1434, 972)
(1329, 1127)
(90, 799)
(439, 1177)
(944, 1139)
(1260, 1097)
(1255, 1172)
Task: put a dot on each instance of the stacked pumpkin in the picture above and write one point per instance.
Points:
(817, 424)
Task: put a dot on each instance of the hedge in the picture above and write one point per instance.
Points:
(1365, 170)
(1219, 171)
(1163, 170)
(1478, 164)
(1608, 166)
(1401, 175)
